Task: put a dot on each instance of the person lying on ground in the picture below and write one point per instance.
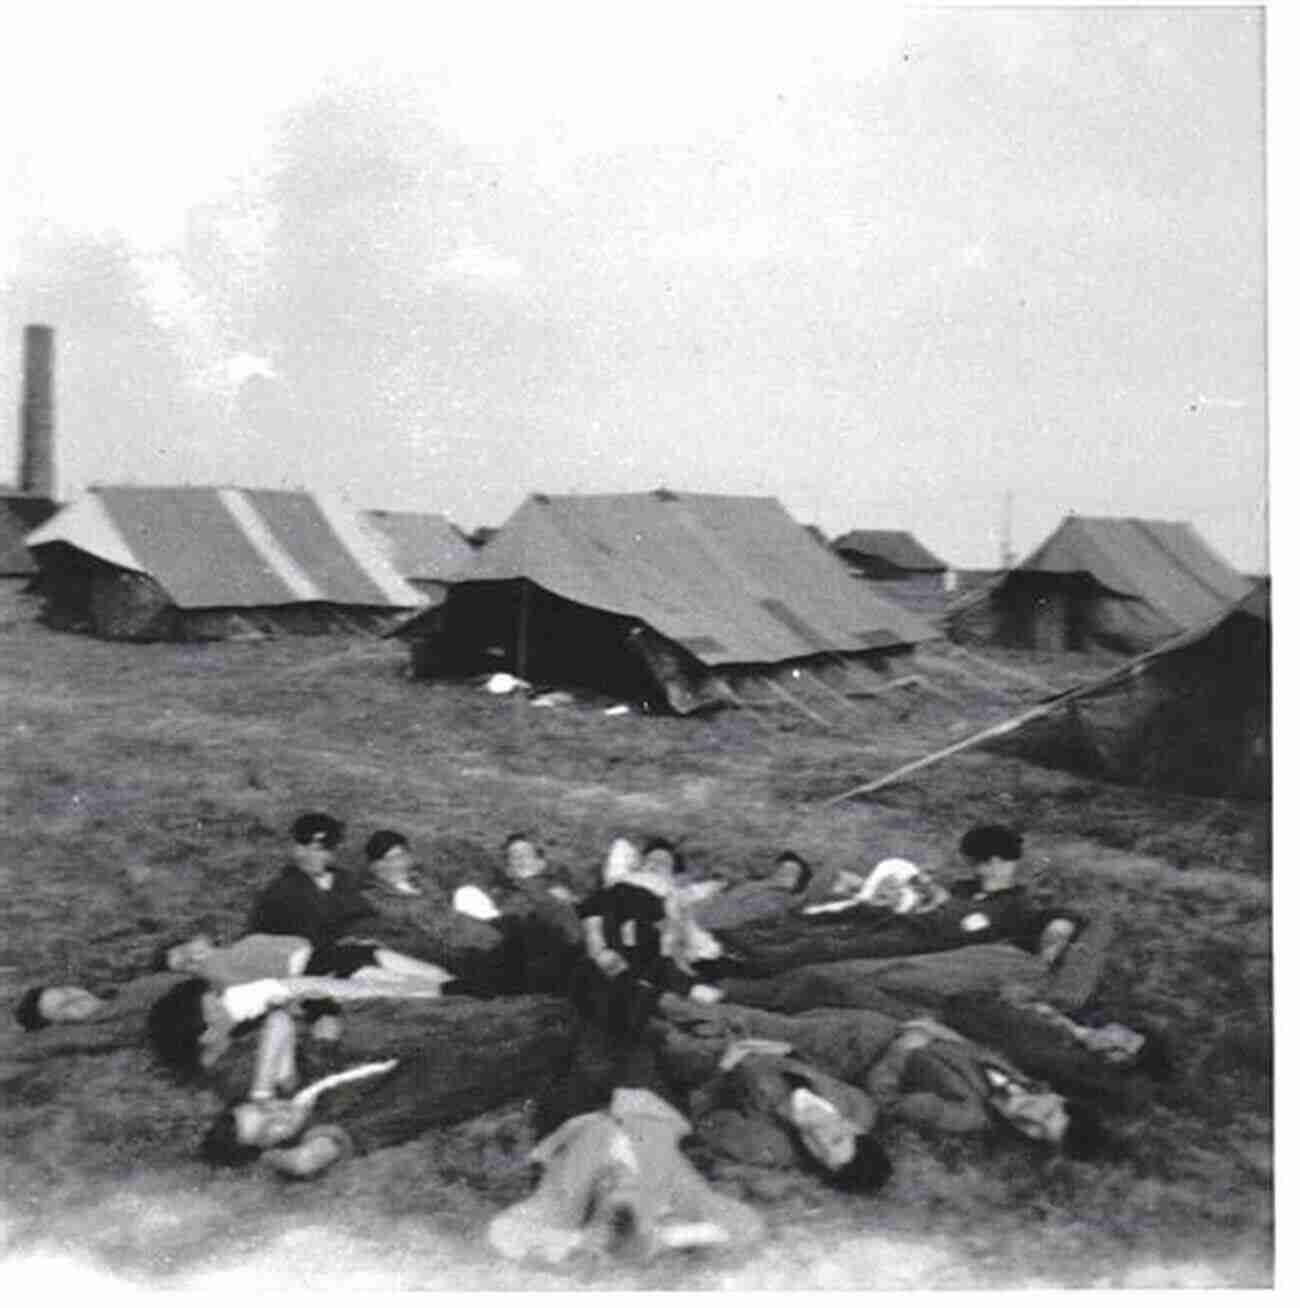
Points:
(66, 1019)
(528, 883)
(1072, 945)
(529, 937)
(935, 1078)
(194, 1025)
(906, 984)
(893, 886)
(914, 1069)
(414, 918)
(767, 1107)
(616, 1181)
(782, 889)
(404, 1069)
(117, 1020)
(848, 1043)
(1112, 1064)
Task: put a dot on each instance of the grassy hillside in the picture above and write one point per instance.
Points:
(147, 790)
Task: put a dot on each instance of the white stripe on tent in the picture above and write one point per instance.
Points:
(87, 525)
(259, 536)
(369, 547)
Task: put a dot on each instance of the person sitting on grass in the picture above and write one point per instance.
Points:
(310, 898)
(627, 964)
(993, 903)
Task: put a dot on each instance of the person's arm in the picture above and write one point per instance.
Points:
(957, 1108)
(598, 949)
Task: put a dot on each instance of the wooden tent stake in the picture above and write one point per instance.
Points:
(937, 663)
(1018, 674)
(798, 703)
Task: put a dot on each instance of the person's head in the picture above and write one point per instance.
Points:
(524, 857)
(239, 1134)
(189, 1027)
(867, 1169)
(52, 1005)
(662, 858)
(184, 955)
(792, 873)
(1086, 1138)
(389, 858)
(993, 853)
(1032, 1110)
(315, 838)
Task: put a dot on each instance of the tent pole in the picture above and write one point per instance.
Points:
(521, 633)
(1011, 724)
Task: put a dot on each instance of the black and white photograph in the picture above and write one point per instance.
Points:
(636, 646)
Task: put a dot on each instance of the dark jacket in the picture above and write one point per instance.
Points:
(293, 905)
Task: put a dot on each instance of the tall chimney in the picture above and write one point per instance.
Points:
(36, 464)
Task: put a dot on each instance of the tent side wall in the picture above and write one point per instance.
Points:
(79, 592)
(1060, 612)
(1196, 720)
(517, 626)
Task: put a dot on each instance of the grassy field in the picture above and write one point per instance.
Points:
(147, 789)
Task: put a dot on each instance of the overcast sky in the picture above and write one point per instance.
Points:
(891, 269)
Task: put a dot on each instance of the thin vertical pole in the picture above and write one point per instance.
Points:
(521, 634)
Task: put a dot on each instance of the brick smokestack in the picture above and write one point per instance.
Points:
(36, 463)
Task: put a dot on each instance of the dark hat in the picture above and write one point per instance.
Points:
(310, 826)
(382, 841)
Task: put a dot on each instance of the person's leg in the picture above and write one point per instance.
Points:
(1078, 972)
(275, 1067)
(390, 962)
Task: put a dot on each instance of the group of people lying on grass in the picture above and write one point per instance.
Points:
(771, 1024)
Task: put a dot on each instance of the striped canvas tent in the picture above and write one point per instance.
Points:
(1124, 584)
(648, 595)
(149, 562)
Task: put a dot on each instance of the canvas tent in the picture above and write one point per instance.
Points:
(1121, 584)
(897, 565)
(202, 562)
(425, 549)
(1193, 715)
(656, 597)
(19, 515)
